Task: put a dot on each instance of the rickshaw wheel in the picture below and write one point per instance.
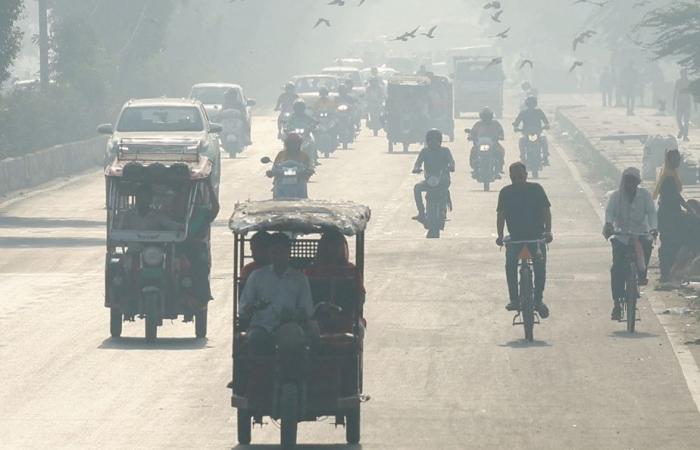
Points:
(115, 322)
(200, 323)
(243, 422)
(289, 399)
(352, 426)
(151, 320)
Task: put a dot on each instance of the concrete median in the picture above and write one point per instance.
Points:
(46, 165)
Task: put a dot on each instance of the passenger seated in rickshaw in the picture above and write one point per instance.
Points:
(144, 217)
(329, 276)
(274, 295)
(260, 251)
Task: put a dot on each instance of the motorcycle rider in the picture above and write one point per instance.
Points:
(533, 121)
(324, 102)
(285, 103)
(487, 127)
(375, 98)
(292, 152)
(630, 210)
(233, 101)
(346, 98)
(437, 160)
(525, 208)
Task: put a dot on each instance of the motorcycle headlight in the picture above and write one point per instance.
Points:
(533, 137)
(152, 256)
(342, 108)
(485, 148)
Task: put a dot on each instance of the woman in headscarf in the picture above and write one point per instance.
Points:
(332, 257)
(671, 216)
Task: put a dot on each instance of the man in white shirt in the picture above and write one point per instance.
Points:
(275, 294)
(631, 212)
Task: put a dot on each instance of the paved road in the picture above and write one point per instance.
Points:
(444, 367)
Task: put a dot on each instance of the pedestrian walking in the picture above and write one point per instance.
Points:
(671, 217)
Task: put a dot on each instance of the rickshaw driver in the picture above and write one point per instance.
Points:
(144, 217)
(276, 294)
(437, 159)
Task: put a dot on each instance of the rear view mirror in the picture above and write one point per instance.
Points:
(251, 102)
(215, 128)
(265, 160)
(105, 128)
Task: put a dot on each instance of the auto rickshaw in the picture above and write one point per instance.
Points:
(159, 210)
(323, 379)
(442, 106)
(407, 110)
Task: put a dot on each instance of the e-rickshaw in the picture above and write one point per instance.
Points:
(322, 379)
(407, 110)
(159, 211)
(442, 106)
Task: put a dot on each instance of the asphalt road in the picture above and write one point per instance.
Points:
(444, 366)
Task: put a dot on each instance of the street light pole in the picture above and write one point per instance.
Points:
(43, 46)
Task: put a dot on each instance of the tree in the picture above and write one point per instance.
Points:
(10, 35)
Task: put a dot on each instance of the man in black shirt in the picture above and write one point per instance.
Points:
(524, 207)
(438, 161)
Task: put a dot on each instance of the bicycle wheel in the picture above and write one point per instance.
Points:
(527, 307)
(631, 295)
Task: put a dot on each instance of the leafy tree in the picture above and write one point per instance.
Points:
(10, 35)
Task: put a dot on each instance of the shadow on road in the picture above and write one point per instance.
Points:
(48, 242)
(637, 335)
(139, 343)
(522, 343)
(300, 447)
(44, 222)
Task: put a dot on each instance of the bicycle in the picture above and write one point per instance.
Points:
(635, 263)
(526, 315)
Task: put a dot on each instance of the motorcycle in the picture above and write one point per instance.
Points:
(346, 125)
(232, 132)
(290, 179)
(437, 203)
(485, 163)
(326, 135)
(531, 155)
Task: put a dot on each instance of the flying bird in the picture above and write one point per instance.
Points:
(494, 5)
(525, 62)
(412, 34)
(575, 65)
(362, 2)
(583, 37)
(430, 32)
(497, 17)
(494, 62)
(337, 2)
(321, 20)
(503, 34)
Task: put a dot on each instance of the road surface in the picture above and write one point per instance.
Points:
(443, 365)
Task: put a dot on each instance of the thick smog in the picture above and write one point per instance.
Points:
(361, 224)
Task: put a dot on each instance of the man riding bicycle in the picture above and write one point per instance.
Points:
(525, 208)
(630, 213)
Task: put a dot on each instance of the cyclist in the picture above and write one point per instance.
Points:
(630, 210)
(525, 208)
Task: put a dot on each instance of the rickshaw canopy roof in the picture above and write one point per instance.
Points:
(302, 216)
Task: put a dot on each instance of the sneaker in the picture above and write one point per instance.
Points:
(542, 310)
(512, 307)
(616, 313)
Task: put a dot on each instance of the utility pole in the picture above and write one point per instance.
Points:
(43, 46)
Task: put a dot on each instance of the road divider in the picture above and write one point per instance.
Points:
(46, 165)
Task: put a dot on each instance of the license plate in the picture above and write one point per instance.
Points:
(289, 180)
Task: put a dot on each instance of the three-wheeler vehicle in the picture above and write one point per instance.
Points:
(160, 205)
(408, 105)
(303, 382)
(442, 105)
